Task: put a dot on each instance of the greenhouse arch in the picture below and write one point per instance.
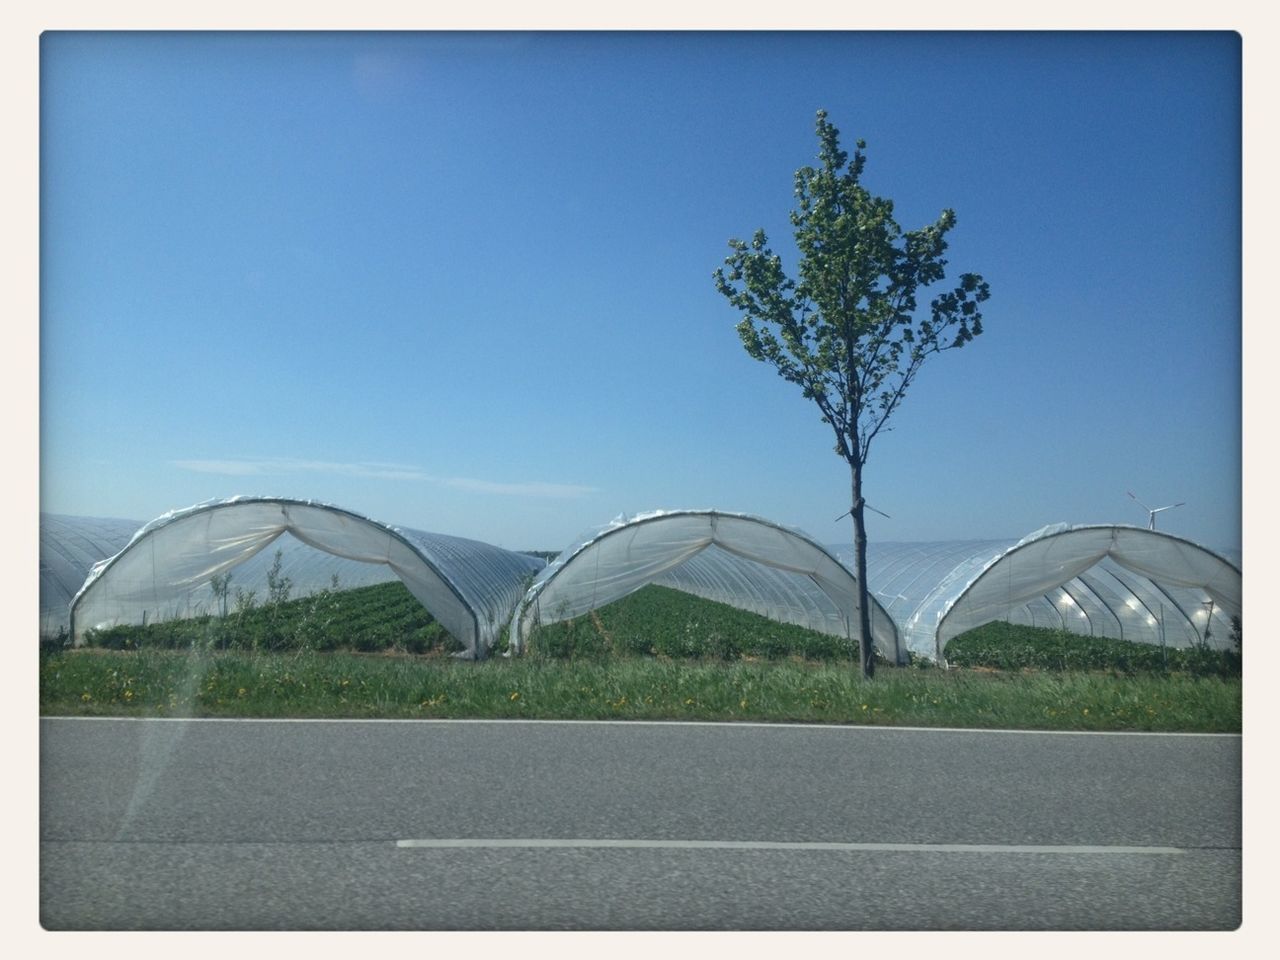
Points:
(741, 560)
(468, 586)
(69, 548)
(1109, 580)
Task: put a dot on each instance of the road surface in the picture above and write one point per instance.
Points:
(438, 825)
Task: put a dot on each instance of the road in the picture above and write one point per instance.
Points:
(260, 825)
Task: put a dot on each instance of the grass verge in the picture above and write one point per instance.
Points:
(174, 683)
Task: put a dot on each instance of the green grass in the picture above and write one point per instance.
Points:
(656, 655)
(228, 683)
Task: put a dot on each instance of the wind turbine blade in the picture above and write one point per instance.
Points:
(1137, 501)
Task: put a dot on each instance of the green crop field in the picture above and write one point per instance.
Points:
(656, 654)
(385, 616)
(659, 621)
(653, 622)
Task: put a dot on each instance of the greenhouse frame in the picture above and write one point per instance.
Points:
(1107, 580)
(69, 548)
(745, 561)
(165, 570)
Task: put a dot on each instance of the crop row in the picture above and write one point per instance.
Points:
(660, 621)
(1005, 646)
(384, 616)
(652, 622)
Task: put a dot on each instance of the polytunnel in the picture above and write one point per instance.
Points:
(736, 559)
(165, 569)
(1117, 581)
(69, 547)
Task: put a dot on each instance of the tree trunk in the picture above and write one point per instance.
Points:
(860, 553)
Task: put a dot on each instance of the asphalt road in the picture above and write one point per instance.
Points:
(484, 826)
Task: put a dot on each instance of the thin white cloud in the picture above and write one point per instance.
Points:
(232, 468)
(382, 471)
(246, 468)
(528, 489)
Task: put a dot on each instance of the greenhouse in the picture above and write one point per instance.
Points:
(166, 568)
(740, 560)
(69, 547)
(1117, 581)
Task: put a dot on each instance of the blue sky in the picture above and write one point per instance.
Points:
(463, 282)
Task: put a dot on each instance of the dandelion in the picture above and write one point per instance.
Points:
(86, 696)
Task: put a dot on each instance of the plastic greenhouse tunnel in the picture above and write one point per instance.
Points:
(1117, 581)
(736, 559)
(165, 569)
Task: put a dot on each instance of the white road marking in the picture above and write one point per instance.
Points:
(616, 724)
(503, 843)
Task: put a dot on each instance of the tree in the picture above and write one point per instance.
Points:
(849, 331)
(220, 584)
(278, 585)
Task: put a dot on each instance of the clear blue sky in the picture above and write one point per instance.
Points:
(463, 282)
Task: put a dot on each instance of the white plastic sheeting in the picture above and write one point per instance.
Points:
(69, 547)
(165, 570)
(1114, 581)
(744, 561)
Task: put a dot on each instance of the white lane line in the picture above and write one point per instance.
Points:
(619, 724)
(503, 843)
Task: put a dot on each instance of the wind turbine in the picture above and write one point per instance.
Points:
(1151, 513)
